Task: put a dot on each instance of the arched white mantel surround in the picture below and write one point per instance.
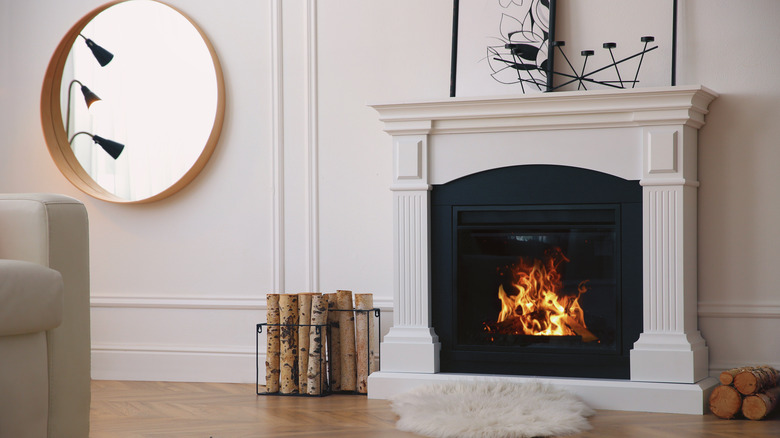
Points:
(647, 134)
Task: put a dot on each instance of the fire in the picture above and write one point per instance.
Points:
(539, 306)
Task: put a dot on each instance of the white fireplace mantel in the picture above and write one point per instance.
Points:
(647, 134)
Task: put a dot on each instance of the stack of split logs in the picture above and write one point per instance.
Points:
(303, 357)
(753, 391)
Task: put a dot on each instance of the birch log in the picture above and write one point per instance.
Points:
(347, 334)
(334, 358)
(315, 373)
(304, 319)
(758, 406)
(725, 402)
(272, 350)
(727, 377)
(288, 309)
(364, 334)
(756, 379)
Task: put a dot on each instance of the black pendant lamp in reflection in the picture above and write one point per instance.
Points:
(110, 146)
(89, 98)
(102, 55)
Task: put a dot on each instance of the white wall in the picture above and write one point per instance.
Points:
(731, 47)
(296, 196)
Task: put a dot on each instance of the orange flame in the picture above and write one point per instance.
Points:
(539, 307)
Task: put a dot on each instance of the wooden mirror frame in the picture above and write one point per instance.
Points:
(54, 129)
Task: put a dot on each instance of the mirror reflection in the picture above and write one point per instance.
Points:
(139, 98)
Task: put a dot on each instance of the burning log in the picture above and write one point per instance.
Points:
(758, 406)
(725, 402)
(272, 348)
(538, 305)
(585, 334)
(756, 379)
(304, 319)
(364, 340)
(317, 368)
(347, 334)
(334, 359)
(288, 308)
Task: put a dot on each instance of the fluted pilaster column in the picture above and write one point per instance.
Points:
(411, 345)
(670, 348)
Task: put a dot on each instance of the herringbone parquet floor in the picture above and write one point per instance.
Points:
(220, 410)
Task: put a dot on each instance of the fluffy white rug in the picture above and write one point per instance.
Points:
(490, 409)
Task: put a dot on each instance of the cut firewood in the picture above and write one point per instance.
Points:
(725, 402)
(304, 319)
(288, 377)
(756, 379)
(727, 377)
(364, 333)
(347, 333)
(315, 374)
(272, 350)
(758, 406)
(334, 349)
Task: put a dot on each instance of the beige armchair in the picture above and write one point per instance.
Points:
(44, 317)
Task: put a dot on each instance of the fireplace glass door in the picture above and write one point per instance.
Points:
(542, 277)
(537, 288)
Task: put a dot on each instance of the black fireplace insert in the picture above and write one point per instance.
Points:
(537, 270)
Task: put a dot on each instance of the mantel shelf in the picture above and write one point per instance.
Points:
(684, 105)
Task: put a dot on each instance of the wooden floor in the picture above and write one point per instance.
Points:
(220, 410)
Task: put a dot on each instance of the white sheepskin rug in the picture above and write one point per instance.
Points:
(490, 409)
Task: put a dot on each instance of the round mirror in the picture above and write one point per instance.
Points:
(133, 102)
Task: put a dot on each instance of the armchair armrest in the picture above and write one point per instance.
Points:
(30, 298)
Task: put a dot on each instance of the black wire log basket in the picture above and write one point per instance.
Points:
(325, 379)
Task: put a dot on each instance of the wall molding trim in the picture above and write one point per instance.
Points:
(277, 142)
(232, 363)
(166, 349)
(183, 302)
(722, 309)
(312, 134)
(218, 303)
(708, 309)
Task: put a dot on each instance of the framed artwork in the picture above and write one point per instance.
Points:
(502, 47)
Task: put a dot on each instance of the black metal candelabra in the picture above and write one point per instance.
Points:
(581, 77)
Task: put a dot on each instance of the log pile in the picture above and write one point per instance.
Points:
(752, 391)
(320, 343)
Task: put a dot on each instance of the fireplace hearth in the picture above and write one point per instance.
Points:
(646, 137)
